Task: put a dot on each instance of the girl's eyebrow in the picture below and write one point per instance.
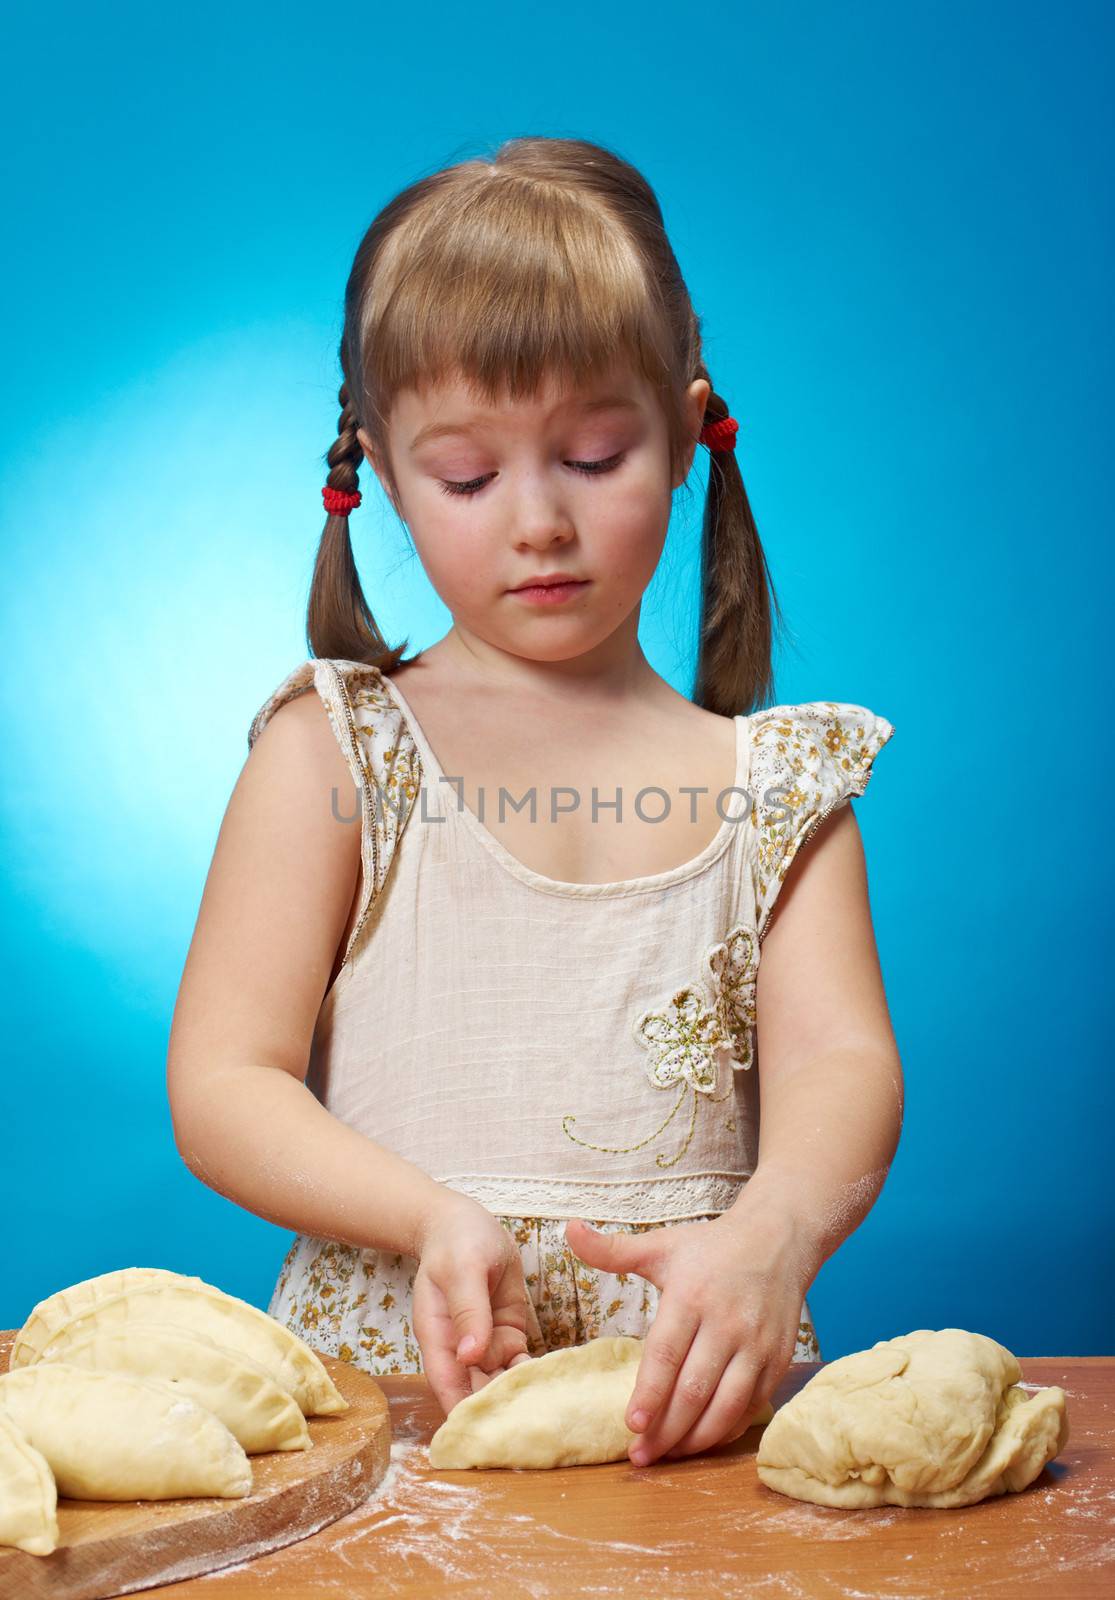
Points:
(436, 430)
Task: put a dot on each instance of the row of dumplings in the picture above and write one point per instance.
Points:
(145, 1384)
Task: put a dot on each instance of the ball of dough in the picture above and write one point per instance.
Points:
(563, 1409)
(931, 1418)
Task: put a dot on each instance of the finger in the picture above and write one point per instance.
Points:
(667, 1345)
(509, 1311)
(479, 1377)
(694, 1387)
(506, 1343)
(614, 1252)
(433, 1329)
(470, 1311)
(510, 1308)
(739, 1394)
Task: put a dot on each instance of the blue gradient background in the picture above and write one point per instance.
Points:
(896, 224)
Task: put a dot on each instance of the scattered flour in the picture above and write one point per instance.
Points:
(417, 1532)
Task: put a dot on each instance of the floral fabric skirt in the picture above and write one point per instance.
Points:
(356, 1304)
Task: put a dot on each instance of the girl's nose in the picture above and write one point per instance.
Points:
(541, 516)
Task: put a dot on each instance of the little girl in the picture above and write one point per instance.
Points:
(475, 1003)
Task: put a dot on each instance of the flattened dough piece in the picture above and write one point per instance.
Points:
(108, 1436)
(226, 1320)
(563, 1409)
(235, 1388)
(931, 1418)
(28, 1495)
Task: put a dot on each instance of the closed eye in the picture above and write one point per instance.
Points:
(590, 469)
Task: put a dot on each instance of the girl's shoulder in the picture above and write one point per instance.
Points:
(343, 687)
(371, 729)
(380, 752)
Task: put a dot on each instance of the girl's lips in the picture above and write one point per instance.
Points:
(550, 594)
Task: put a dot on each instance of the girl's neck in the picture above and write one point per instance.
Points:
(616, 671)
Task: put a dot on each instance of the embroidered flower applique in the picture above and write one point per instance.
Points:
(732, 967)
(687, 1035)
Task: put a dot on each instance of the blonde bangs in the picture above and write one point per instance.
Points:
(503, 286)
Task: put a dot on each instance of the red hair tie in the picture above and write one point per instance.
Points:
(720, 435)
(338, 502)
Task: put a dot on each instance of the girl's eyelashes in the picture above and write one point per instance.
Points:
(590, 469)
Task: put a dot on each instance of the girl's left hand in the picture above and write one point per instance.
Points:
(730, 1297)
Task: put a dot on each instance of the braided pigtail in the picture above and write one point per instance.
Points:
(339, 622)
(734, 667)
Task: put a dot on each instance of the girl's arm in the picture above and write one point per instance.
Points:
(273, 912)
(830, 1090)
(258, 1136)
(830, 1076)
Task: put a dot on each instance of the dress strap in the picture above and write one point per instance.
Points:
(379, 749)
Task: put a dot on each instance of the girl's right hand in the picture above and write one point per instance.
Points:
(469, 1284)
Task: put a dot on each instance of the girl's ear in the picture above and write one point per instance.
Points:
(370, 457)
(696, 401)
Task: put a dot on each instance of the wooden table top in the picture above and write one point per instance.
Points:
(688, 1529)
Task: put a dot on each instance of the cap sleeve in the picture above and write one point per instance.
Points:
(294, 684)
(806, 760)
(378, 747)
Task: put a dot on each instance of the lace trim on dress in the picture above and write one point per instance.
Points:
(670, 1199)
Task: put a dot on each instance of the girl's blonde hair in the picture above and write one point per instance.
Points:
(551, 258)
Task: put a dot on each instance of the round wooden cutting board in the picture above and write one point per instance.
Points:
(116, 1547)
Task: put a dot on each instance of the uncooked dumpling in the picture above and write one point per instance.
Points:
(931, 1418)
(563, 1409)
(202, 1308)
(230, 1384)
(108, 1436)
(28, 1495)
(57, 1309)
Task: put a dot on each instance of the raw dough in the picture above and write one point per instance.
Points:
(28, 1496)
(230, 1384)
(145, 1294)
(563, 1409)
(146, 1384)
(109, 1436)
(57, 1309)
(931, 1418)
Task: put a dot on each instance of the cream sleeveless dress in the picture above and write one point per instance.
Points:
(550, 1049)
